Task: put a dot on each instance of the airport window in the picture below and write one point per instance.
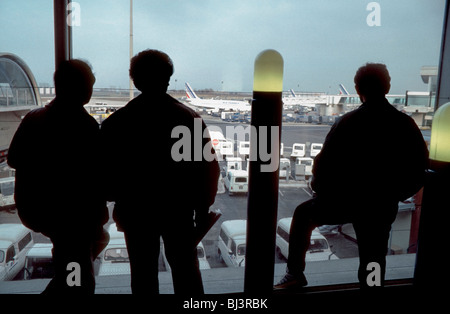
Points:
(116, 255)
(224, 237)
(233, 248)
(25, 241)
(213, 46)
(200, 252)
(10, 254)
(241, 250)
(283, 234)
(318, 245)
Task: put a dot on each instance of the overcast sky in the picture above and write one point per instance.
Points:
(213, 43)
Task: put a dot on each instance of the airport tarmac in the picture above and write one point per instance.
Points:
(291, 194)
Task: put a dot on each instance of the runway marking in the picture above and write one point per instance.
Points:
(307, 192)
(281, 193)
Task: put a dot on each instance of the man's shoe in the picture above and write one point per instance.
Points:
(291, 282)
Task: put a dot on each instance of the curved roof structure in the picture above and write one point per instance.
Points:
(18, 88)
(18, 95)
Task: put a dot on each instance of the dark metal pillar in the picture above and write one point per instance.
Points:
(263, 173)
(63, 32)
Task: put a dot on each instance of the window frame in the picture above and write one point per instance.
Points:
(63, 51)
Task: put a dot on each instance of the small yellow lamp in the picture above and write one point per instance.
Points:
(440, 135)
(435, 206)
(268, 73)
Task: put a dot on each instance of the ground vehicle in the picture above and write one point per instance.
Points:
(202, 261)
(315, 149)
(39, 262)
(114, 258)
(226, 149)
(232, 242)
(7, 192)
(234, 163)
(303, 173)
(319, 249)
(298, 150)
(285, 167)
(15, 241)
(244, 148)
(236, 181)
(222, 146)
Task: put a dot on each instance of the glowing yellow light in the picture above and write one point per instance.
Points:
(440, 134)
(268, 76)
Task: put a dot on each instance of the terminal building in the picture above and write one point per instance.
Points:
(419, 105)
(18, 95)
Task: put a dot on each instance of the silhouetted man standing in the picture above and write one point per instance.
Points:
(372, 158)
(55, 152)
(157, 184)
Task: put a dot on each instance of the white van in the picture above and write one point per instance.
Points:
(201, 255)
(221, 145)
(285, 166)
(114, 258)
(298, 150)
(226, 148)
(15, 241)
(232, 242)
(39, 262)
(7, 192)
(315, 149)
(236, 181)
(244, 148)
(234, 163)
(306, 172)
(319, 249)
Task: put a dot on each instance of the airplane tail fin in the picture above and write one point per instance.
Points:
(343, 90)
(190, 92)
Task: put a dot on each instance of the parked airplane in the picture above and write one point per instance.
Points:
(343, 90)
(310, 100)
(215, 105)
(304, 99)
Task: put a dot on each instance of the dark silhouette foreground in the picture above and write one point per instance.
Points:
(372, 158)
(157, 193)
(56, 155)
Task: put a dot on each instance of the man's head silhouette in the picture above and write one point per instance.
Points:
(151, 71)
(74, 81)
(372, 81)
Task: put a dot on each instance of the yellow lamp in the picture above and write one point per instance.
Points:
(268, 73)
(440, 135)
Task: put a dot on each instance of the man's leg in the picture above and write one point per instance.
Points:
(372, 240)
(302, 226)
(78, 280)
(307, 216)
(143, 252)
(182, 257)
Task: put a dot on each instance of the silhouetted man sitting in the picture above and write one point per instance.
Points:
(158, 185)
(372, 158)
(55, 152)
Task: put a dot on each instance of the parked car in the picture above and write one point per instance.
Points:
(319, 249)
